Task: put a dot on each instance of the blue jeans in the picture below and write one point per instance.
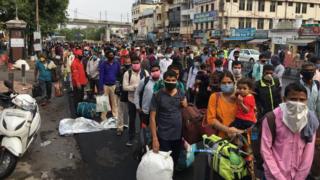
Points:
(46, 87)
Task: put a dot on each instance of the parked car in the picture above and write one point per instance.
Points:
(249, 55)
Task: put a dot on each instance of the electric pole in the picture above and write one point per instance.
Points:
(106, 15)
(37, 15)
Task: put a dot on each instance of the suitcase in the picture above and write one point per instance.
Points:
(86, 110)
(36, 90)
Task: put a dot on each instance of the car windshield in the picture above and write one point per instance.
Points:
(255, 52)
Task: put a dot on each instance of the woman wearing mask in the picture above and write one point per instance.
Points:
(222, 106)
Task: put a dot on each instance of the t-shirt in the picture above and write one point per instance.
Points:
(250, 103)
(45, 70)
(168, 118)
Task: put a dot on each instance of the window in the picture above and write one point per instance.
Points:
(248, 23)
(260, 23)
(235, 1)
(197, 26)
(212, 25)
(261, 5)
(207, 7)
(241, 23)
(249, 5)
(311, 5)
(212, 7)
(290, 3)
(207, 25)
(270, 24)
(279, 3)
(242, 5)
(246, 52)
(298, 7)
(273, 6)
(227, 0)
(202, 9)
(201, 26)
(304, 8)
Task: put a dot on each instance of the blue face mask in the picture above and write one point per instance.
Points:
(220, 56)
(227, 88)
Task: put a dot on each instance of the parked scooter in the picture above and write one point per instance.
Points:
(19, 123)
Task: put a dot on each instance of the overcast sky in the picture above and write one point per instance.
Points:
(90, 9)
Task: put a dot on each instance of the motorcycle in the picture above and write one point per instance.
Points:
(19, 123)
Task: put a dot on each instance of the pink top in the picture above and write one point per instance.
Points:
(289, 158)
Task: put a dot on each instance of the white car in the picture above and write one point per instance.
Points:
(249, 55)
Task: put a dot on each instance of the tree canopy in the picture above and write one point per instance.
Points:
(51, 13)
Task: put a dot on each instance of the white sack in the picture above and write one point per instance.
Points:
(18, 64)
(103, 104)
(155, 166)
(82, 125)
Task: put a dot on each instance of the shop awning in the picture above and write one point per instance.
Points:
(301, 42)
(258, 41)
(237, 39)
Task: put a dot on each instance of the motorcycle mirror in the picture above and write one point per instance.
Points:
(8, 84)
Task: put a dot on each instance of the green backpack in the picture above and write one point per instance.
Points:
(226, 158)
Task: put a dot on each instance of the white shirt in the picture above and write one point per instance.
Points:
(192, 76)
(278, 72)
(92, 68)
(164, 64)
(133, 84)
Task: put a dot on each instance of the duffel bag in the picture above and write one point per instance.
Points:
(192, 120)
(86, 110)
(226, 158)
(36, 90)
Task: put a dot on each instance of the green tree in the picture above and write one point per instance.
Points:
(51, 13)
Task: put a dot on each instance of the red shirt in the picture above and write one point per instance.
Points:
(211, 64)
(250, 103)
(77, 73)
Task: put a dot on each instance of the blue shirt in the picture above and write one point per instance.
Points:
(44, 73)
(108, 73)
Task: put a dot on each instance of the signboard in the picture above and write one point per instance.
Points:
(205, 17)
(309, 31)
(247, 32)
(36, 35)
(216, 33)
(261, 34)
(37, 47)
(17, 42)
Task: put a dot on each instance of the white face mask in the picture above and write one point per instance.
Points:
(295, 115)
(236, 71)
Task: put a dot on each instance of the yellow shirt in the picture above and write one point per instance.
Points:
(222, 110)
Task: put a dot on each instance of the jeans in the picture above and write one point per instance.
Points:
(171, 145)
(46, 87)
(78, 94)
(132, 120)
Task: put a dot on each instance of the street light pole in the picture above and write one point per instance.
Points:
(37, 15)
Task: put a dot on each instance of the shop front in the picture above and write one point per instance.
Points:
(239, 37)
(261, 41)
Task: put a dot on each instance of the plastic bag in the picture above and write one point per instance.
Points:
(155, 166)
(103, 104)
(186, 157)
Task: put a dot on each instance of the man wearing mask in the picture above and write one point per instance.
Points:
(258, 68)
(312, 86)
(205, 55)
(191, 80)
(292, 137)
(78, 75)
(144, 93)
(236, 70)
(109, 74)
(166, 119)
(278, 68)
(236, 55)
(131, 80)
(93, 72)
(165, 62)
(123, 98)
(267, 92)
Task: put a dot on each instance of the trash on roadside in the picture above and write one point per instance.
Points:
(18, 64)
(45, 143)
(82, 125)
(44, 175)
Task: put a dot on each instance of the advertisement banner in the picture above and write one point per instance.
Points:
(205, 17)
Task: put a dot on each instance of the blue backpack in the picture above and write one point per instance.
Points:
(86, 110)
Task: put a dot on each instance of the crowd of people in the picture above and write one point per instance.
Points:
(155, 84)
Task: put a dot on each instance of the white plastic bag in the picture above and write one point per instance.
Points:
(155, 166)
(18, 64)
(103, 104)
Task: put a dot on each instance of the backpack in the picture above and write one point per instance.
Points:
(146, 80)
(256, 137)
